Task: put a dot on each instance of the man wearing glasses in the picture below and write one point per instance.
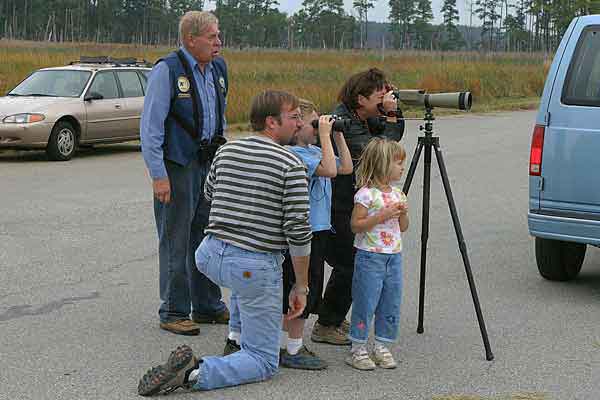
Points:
(182, 122)
(259, 207)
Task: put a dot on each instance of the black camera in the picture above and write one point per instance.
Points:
(339, 124)
(208, 149)
(376, 125)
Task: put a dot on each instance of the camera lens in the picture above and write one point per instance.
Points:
(342, 125)
(339, 124)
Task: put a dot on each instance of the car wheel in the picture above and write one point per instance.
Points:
(62, 143)
(558, 260)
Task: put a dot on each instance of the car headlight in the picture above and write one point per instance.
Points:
(24, 118)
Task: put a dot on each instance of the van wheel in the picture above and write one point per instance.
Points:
(62, 143)
(558, 260)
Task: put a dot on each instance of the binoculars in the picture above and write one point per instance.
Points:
(339, 124)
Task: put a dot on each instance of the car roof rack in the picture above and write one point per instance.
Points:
(117, 62)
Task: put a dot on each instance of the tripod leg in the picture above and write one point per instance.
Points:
(424, 231)
(413, 167)
(463, 249)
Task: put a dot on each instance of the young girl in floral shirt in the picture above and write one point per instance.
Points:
(380, 214)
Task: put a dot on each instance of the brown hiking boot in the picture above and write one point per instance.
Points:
(345, 327)
(169, 376)
(329, 334)
(221, 318)
(181, 327)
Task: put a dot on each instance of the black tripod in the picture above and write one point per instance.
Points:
(428, 141)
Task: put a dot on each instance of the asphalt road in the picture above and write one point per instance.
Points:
(79, 285)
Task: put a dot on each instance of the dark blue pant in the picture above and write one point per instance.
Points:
(180, 224)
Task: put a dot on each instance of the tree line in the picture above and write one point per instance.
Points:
(506, 25)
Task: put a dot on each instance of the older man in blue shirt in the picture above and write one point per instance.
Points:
(182, 125)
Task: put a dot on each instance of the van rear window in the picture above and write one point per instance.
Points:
(582, 86)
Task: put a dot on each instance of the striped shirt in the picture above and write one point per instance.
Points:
(258, 192)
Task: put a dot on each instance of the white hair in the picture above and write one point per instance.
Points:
(195, 23)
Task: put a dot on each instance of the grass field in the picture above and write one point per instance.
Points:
(498, 81)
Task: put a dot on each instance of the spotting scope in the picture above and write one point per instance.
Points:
(419, 97)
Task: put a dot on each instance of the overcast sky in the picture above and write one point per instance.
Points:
(381, 10)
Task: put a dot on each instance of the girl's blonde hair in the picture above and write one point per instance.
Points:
(306, 107)
(375, 164)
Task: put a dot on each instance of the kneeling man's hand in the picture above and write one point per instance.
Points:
(297, 304)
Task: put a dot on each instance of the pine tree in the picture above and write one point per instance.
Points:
(362, 7)
(453, 39)
(487, 11)
(326, 23)
(423, 29)
(402, 14)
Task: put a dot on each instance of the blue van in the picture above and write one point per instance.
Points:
(564, 166)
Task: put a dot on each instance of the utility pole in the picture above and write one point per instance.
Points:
(469, 7)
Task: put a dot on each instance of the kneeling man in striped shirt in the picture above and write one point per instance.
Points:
(259, 208)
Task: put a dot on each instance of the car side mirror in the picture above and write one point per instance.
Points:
(93, 96)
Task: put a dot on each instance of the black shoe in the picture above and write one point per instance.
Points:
(231, 347)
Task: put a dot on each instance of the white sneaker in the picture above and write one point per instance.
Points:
(360, 360)
(383, 358)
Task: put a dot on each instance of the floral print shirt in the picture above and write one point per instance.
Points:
(385, 237)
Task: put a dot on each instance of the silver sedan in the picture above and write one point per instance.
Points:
(59, 108)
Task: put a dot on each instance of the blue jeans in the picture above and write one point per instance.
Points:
(256, 294)
(180, 224)
(376, 291)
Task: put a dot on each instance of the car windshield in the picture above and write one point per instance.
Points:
(55, 83)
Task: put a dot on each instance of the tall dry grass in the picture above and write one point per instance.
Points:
(316, 75)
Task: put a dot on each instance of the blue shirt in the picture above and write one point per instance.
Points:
(319, 187)
(157, 103)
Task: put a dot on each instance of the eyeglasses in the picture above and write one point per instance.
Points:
(296, 116)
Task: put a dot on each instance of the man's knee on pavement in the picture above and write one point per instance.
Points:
(269, 364)
(271, 369)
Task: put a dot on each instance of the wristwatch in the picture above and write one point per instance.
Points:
(301, 290)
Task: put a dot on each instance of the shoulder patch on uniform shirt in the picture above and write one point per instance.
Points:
(183, 84)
